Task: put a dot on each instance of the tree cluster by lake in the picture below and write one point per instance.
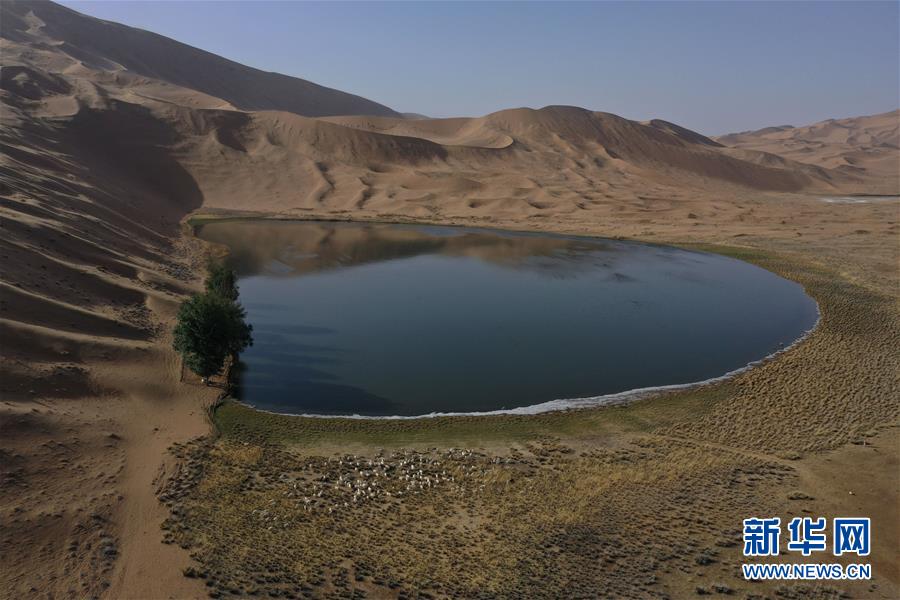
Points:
(212, 325)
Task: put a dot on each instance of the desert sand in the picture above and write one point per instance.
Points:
(113, 138)
(858, 145)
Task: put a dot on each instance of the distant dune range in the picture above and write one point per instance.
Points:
(863, 146)
(112, 135)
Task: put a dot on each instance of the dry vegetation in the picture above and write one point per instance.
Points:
(540, 520)
(634, 501)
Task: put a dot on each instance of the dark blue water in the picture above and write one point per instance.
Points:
(405, 320)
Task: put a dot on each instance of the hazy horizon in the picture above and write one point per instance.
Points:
(712, 67)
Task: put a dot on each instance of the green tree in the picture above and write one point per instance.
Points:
(210, 329)
(221, 280)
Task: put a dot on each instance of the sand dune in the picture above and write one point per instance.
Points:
(88, 43)
(111, 136)
(448, 132)
(862, 146)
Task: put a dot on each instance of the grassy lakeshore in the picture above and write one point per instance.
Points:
(639, 500)
(642, 415)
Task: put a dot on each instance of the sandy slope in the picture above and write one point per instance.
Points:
(111, 136)
(85, 43)
(864, 146)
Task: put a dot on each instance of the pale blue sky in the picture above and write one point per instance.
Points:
(715, 67)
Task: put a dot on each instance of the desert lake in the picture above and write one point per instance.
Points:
(379, 319)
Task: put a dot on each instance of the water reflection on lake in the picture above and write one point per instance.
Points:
(378, 319)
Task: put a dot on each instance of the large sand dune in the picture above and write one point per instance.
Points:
(111, 136)
(862, 146)
(62, 39)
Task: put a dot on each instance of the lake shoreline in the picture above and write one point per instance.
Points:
(759, 422)
(561, 404)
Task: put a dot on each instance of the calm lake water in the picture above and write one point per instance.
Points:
(375, 319)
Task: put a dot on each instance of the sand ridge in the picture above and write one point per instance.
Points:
(860, 145)
(110, 143)
(85, 43)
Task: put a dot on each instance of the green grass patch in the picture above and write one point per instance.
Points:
(243, 423)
